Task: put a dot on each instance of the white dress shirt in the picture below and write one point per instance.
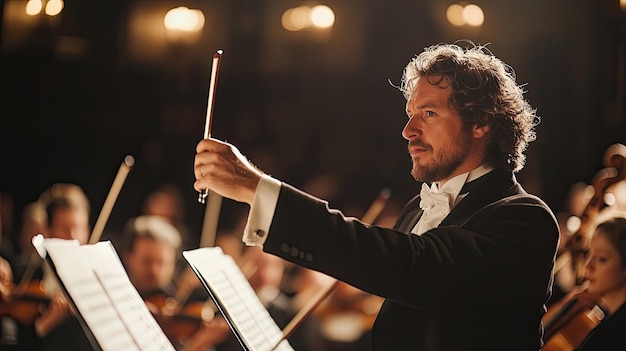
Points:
(261, 211)
(435, 213)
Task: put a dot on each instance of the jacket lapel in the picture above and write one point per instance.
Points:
(409, 216)
(482, 191)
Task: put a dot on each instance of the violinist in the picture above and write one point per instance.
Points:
(167, 201)
(150, 257)
(33, 221)
(578, 196)
(605, 272)
(6, 253)
(8, 326)
(67, 214)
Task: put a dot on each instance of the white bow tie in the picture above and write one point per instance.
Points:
(432, 200)
(436, 206)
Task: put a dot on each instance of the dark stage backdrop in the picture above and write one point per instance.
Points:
(85, 89)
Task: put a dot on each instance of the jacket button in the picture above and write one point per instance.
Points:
(285, 248)
(294, 251)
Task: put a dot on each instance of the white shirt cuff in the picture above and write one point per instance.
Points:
(262, 211)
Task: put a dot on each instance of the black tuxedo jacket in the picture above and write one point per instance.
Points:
(477, 282)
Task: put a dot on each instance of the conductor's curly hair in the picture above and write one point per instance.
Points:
(484, 92)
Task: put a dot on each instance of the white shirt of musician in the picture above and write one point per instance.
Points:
(266, 197)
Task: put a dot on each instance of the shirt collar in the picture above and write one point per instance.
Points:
(454, 185)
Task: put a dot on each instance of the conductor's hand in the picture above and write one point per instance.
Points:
(220, 167)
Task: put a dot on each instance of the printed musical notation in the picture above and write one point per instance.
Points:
(236, 299)
(106, 301)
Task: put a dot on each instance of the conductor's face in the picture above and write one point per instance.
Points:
(438, 144)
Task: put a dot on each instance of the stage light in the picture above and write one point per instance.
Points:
(304, 17)
(454, 14)
(322, 16)
(184, 19)
(301, 17)
(473, 15)
(33, 7)
(470, 14)
(54, 7)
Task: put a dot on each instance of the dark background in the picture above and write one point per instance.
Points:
(82, 90)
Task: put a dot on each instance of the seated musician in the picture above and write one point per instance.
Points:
(605, 271)
(605, 288)
(150, 258)
(8, 327)
(67, 217)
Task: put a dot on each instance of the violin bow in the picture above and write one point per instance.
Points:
(116, 187)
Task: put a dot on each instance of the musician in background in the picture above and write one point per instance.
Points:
(582, 206)
(167, 201)
(67, 217)
(569, 219)
(605, 272)
(33, 222)
(150, 255)
(7, 245)
(8, 326)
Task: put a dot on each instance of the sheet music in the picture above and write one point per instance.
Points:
(239, 304)
(97, 283)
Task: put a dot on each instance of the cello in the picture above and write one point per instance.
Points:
(568, 322)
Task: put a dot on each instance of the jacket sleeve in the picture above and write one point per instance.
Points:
(497, 248)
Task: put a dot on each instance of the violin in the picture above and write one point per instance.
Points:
(179, 323)
(567, 324)
(567, 327)
(348, 314)
(25, 304)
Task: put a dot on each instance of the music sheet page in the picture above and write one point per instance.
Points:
(239, 303)
(97, 283)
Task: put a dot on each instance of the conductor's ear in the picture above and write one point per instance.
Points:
(480, 131)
